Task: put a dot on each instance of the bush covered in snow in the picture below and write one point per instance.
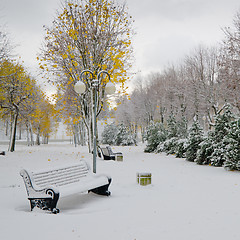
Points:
(109, 133)
(155, 134)
(205, 151)
(232, 140)
(167, 146)
(194, 140)
(172, 127)
(181, 148)
(173, 146)
(123, 136)
(221, 129)
(118, 135)
(219, 147)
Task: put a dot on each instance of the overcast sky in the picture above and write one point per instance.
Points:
(166, 30)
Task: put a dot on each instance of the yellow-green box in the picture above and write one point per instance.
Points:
(144, 178)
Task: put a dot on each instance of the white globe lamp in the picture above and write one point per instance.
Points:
(110, 88)
(80, 87)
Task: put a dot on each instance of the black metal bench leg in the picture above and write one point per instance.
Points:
(46, 203)
(53, 203)
(41, 203)
(32, 204)
(103, 190)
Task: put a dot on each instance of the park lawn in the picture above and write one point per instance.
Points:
(184, 202)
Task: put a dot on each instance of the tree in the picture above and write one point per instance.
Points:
(172, 127)
(88, 34)
(221, 129)
(154, 135)
(182, 126)
(42, 118)
(15, 87)
(109, 133)
(71, 116)
(194, 139)
(124, 136)
(229, 63)
(5, 45)
(137, 111)
(201, 74)
(232, 152)
(118, 135)
(205, 150)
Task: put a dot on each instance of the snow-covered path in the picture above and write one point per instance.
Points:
(185, 201)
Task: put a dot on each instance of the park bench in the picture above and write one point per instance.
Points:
(104, 153)
(108, 154)
(44, 187)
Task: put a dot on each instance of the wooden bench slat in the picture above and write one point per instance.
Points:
(59, 174)
(62, 171)
(56, 175)
(57, 180)
(62, 175)
(62, 168)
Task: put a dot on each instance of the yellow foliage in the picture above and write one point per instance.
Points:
(84, 37)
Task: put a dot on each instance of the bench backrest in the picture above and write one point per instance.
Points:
(105, 152)
(110, 150)
(56, 176)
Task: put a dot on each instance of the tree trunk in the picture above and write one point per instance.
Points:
(89, 138)
(13, 133)
(28, 138)
(74, 134)
(20, 133)
(38, 137)
(45, 139)
(82, 136)
(31, 134)
(7, 126)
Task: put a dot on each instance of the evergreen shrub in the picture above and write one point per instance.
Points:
(233, 147)
(181, 148)
(155, 134)
(221, 130)
(124, 137)
(118, 135)
(109, 133)
(205, 151)
(169, 146)
(193, 142)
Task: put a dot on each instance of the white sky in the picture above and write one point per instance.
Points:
(166, 30)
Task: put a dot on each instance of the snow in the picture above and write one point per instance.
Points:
(185, 201)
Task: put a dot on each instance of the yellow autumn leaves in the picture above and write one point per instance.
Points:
(19, 92)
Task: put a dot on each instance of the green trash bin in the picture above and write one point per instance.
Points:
(144, 178)
(118, 157)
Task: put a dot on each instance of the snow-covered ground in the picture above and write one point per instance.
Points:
(185, 201)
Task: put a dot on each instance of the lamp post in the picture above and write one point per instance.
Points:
(80, 88)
